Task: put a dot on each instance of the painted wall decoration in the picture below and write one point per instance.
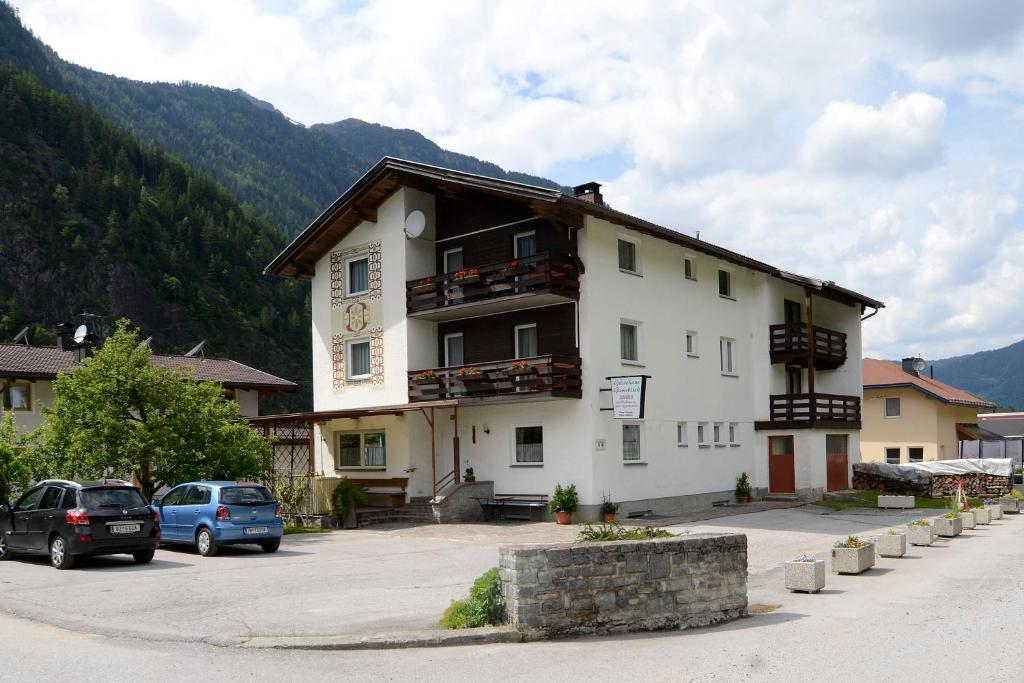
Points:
(357, 317)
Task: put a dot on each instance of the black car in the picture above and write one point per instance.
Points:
(65, 519)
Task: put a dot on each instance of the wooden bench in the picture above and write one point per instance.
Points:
(499, 505)
(393, 488)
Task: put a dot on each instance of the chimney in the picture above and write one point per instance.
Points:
(589, 192)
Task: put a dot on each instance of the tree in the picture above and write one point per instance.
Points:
(14, 471)
(118, 410)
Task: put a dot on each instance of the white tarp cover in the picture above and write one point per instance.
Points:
(1000, 467)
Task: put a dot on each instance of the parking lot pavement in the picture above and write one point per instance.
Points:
(367, 581)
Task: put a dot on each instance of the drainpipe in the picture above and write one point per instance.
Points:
(874, 311)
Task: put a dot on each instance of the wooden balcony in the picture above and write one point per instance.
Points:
(788, 344)
(495, 288)
(505, 380)
(809, 411)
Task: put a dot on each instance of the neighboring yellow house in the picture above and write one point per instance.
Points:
(909, 417)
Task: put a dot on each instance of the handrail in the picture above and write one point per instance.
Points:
(789, 339)
(511, 377)
(443, 483)
(814, 407)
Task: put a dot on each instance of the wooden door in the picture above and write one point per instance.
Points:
(781, 465)
(837, 462)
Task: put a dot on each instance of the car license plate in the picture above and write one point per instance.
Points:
(255, 529)
(125, 528)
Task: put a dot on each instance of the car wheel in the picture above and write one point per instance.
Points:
(271, 546)
(143, 556)
(205, 543)
(5, 551)
(60, 557)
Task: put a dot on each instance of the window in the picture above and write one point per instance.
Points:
(359, 359)
(197, 495)
(794, 380)
(717, 434)
(702, 434)
(682, 438)
(915, 454)
(892, 407)
(524, 244)
(361, 449)
(627, 256)
(29, 500)
(453, 260)
(725, 284)
(18, 396)
(175, 497)
(526, 341)
(629, 342)
(690, 267)
(453, 356)
(358, 276)
(529, 445)
(892, 456)
(691, 343)
(725, 349)
(631, 443)
(734, 434)
(50, 498)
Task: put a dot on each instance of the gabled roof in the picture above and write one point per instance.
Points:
(360, 201)
(18, 361)
(884, 374)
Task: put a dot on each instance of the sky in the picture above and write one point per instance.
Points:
(875, 144)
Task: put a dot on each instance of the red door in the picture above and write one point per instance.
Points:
(836, 462)
(781, 467)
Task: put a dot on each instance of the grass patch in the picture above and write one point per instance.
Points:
(869, 499)
(485, 605)
(613, 531)
(289, 530)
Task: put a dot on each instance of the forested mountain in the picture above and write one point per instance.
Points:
(92, 220)
(996, 375)
(283, 169)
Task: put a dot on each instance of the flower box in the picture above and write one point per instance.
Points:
(805, 577)
(1010, 505)
(853, 560)
(920, 534)
(969, 521)
(948, 528)
(891, 545)
(904, 502)
(517, 369)
(463, 277)
(425, 378)
(995, 510)
(982, 516)
(424, 288)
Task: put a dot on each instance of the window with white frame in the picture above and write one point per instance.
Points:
(361, 449)
(690, 267)
(717, 433)
(691, 344)
(358, 271)
(453, 260)
(682, 438)
(734, 434)
(631, 443)
(358, 359)
(727, 348)
(628, 260)
(892, 456)
(892, 406)
(702, 434)
(629, 341)
(725, 284)
(529, 447)
(915, 454)
(17, 396)
(453, 354)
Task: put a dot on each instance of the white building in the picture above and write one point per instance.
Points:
(504, 316)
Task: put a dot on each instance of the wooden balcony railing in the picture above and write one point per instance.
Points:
(812, 408)
(550, 273)
(788, 344)
(517, 378)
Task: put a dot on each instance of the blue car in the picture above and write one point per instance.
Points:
(211, 514)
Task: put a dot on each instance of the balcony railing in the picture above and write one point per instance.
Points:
(808, 409)
(542, 273)
(513, 379)
(788, 344)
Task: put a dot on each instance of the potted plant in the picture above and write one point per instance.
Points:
(743, 490)
(466, 276)
(469, 476)
(805, 574)
(425, 285)
(852, 556)
(920, 532)
(609, 508)
(995, 509)
(563, 503)
(519, 367)
(981, 514)
(425, 377)
(1011, 502)
(346, 497)
(949, 524)
(891, 544)
(469, 372)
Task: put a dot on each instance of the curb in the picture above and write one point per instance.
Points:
(388, 641)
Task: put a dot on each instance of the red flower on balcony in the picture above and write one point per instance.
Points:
(467, 274)
(469, 371)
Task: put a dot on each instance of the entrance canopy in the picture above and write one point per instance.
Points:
(969, 431)
(320, 416)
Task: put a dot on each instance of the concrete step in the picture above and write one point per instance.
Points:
(785, 497)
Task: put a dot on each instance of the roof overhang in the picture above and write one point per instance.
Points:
(930, 394)
(320, 416)
(970, 431)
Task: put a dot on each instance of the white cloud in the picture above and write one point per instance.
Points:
(901, 136)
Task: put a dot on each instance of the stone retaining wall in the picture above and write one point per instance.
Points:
(459, 505)
(609, 587)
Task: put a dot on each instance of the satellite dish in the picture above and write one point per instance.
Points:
(415, 223)
(918, 364)
(80, 333)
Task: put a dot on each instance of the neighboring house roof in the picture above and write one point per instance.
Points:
(1004, 424)
(360, 201)
(18, 361)
(884, 374)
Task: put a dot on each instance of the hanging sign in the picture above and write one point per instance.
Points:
(628, 395)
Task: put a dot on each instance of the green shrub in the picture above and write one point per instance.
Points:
(613, 531)
(743, 489)
(484, 606)
(345, 497)
(565, 499)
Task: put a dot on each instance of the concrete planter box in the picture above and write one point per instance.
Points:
(995, 510)
(853, 560)
(904, 502)
(948, 528)
(969, 520)
(982, 516)
(920, 535)
(805, 577)
(1010, 505)
(891, 545)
